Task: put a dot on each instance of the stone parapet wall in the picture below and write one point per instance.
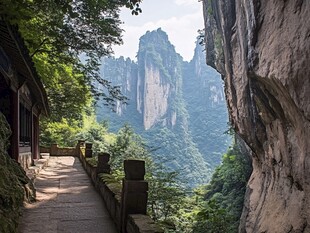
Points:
(54, 150)
(142, 224)
(136, 223)
(44, 149)
(122, 214)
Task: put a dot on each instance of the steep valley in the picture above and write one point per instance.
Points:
(178, 107)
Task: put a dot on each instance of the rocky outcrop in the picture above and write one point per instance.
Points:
(262, 49)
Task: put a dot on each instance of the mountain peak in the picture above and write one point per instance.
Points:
(157, 38)
(155, 34)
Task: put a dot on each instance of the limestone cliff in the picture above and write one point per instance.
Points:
(122, 72)
(262, 49)
(158, 79)
(156, 96)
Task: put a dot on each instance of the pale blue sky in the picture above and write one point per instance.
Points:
(180, 19)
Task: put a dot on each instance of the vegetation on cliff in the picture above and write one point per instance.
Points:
(224, 195)
(15, 186)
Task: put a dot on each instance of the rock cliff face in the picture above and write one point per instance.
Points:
(121, 71)
(155, 97)
(262, 50)
(158, 79)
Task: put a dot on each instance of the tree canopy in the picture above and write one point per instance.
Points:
(224, 195)
(66, 40)
(75, 34)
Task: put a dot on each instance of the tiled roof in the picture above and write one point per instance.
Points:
(14, 46)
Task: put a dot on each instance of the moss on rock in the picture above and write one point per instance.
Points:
(14, 184)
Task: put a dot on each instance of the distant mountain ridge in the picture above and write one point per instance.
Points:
(178, 106)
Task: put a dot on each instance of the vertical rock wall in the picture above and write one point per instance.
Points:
(124, 73)
(262, 50)
(156, 96)
(159, 78)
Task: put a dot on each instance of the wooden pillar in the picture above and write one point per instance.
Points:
(35, 138)
(15, 124)
(103, 163)
(134, 192)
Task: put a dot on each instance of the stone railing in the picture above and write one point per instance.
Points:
(54, 150)
(127, 207)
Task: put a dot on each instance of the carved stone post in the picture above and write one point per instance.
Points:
(81, 143)
(88, 150)
(103, 163)
(54, 149)
(134, 192)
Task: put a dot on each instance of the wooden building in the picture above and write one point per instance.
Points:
(22, 95)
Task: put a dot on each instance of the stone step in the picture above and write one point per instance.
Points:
(39, 164)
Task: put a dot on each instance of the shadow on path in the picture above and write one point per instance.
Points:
(66, 202)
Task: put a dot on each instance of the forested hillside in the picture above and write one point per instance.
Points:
(178, 106)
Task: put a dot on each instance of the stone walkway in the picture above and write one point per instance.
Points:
(67, 202)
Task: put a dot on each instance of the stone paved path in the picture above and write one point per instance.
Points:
(67, 202)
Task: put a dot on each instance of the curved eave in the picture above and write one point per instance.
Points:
(23, 63)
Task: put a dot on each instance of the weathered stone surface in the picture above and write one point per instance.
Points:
(88, 153)
(134, 191)
(58, 151)
(103, 163)
(134, 169)
(156, 99)
(142, 223)
(262, 49)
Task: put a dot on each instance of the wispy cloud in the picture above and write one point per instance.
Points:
(186, 2)
(181, 30)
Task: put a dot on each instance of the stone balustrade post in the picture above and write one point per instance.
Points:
(88, 150)
(134, 192)
(103, 163)
(54, 149)
(81, 143)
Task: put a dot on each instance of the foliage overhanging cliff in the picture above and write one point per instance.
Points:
(262, 50)
(178, 106)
